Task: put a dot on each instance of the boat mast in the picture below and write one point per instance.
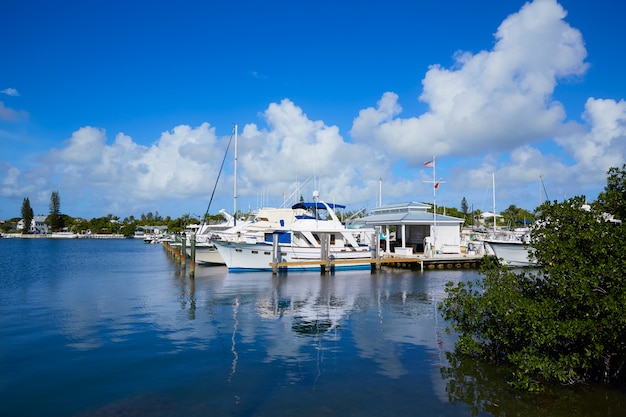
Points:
(235, 182)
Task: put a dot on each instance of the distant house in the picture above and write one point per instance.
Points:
(37, 225)
(416, 229)
(149, 231)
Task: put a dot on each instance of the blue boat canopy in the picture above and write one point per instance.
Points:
(318, 206)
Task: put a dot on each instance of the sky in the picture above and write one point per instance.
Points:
(127, 108)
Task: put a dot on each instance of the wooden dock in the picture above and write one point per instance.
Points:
(451, 261)
(326, 262)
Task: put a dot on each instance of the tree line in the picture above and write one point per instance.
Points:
(109, 224)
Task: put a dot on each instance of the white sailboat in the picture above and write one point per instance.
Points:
(512, 248)
(205, 251)
(250, 230)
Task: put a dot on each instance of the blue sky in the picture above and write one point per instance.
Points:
(127, 107)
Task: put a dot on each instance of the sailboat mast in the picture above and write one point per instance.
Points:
(235, 182)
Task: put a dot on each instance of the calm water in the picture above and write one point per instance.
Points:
(116, 328)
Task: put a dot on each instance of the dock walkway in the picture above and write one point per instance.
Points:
(439, 261)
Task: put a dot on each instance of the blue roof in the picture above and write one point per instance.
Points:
(318, 206)
(411, 217)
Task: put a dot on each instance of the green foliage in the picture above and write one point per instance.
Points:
(27, 214)
(614, 194)
(464, 208)
(513, 215)
(150, 219)
(55, 219)
(128, 229)
(562, 322)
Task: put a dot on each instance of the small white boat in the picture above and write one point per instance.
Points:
(514, 252)
(512, 248)
(63, 235)
(206, 254)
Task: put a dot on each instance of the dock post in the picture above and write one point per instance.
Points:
(183, 250)
(377, 249)
(192, 261)
(176, 249)
(275, 252)
(324, 258)
(329, 266)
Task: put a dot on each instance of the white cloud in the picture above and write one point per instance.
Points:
(603, 145)
(83, 148)
(183, 164)
(294, 149)
(10, 92)
(10, 180)
(492, 100)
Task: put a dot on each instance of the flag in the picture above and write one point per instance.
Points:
(429, 164)
(436, 185)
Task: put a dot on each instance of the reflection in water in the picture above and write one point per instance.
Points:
(233, 347)
(483, 388)
(119, 329)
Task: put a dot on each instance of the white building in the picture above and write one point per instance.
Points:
(416, 229)
(37, 225)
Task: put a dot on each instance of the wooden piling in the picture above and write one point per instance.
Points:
(183, 251)
(192, 261)
(376, 241)
(325, 253)
(275, 253)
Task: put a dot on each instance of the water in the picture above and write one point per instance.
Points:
(116, 327)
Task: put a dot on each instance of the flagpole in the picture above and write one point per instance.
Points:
(433, 164)
(435, 204)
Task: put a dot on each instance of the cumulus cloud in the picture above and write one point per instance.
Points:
(83, 148)
(492, 100)
(603, 144)
(292, 156)
(294, 149)
(182, 163)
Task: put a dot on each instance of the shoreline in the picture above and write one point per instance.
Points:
(52, 236)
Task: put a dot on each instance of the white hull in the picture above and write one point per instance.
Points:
(64, 235)
(246, 256)
(512, 253)
(207, 254)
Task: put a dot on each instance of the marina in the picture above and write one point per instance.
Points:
(325, 264)
(365, 266)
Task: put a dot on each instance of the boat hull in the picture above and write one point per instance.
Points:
(258, 257)
(207, 254)
(512, 253)
(64, 235)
